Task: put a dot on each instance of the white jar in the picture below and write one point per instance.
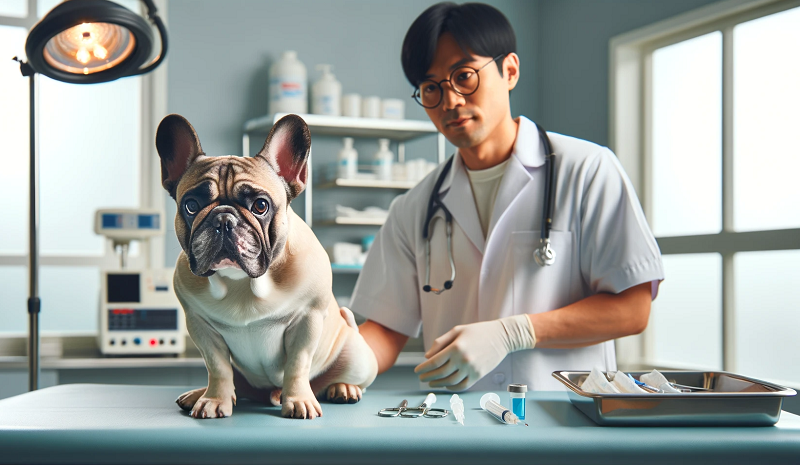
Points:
(382, 164)
(348, 160)
(287, 85)
(371, 107)
(392, 108)
(351, 105)
(326, 93)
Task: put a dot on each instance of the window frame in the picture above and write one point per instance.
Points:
(630, 136)
(151, 194)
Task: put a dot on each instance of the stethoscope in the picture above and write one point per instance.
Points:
(544, 254)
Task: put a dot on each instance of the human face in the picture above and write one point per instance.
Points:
(468, 120)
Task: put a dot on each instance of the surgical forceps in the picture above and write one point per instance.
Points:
(422, 411)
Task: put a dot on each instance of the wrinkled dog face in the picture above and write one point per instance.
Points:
(232, 211)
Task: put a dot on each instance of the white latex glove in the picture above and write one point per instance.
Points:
(466, 353)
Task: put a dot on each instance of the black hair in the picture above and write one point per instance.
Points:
(476, 27)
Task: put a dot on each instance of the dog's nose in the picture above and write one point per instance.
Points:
(225, 221)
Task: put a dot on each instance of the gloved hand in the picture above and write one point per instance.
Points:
(466, 353)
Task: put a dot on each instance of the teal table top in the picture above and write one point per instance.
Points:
(89, 423)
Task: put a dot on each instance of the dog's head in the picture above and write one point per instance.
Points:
(232, 211)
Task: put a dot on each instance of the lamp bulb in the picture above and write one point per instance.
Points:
(100, 52)
(83, 55)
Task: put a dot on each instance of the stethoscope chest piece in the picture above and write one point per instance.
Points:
(544, 254)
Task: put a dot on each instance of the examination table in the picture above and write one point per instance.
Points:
(118, 424)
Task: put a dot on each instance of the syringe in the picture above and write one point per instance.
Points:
(489, 402)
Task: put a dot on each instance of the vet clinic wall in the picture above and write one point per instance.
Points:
(221, 53)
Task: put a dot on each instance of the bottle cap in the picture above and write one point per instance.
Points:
(517, 388)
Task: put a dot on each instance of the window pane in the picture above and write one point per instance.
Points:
(767, 317)
(13, 300)
(14, 136)
(15, 8)
(70, 299)
(687, 130)
(89, 139)
(766, 141)
(685, 329)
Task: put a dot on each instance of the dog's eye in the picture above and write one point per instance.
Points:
(191, 206)
(260, 206)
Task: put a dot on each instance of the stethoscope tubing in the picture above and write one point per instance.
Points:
(544, 254)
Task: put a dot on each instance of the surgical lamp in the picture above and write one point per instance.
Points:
(79, 42)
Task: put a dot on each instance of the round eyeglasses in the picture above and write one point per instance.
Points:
(464, 80)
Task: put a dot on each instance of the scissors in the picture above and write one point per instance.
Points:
(422, 411)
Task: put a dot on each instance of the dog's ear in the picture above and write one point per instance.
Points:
(286, 150)
(178, 146)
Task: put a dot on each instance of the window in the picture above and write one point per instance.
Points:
(704, 117)
(91, 155)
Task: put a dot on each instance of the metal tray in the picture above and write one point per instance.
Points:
(728, 400)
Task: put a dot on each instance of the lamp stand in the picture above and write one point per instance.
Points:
(34, 302)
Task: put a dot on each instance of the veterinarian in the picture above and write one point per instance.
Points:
(496, 303)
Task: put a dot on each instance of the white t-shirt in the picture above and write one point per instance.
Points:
(485, 184)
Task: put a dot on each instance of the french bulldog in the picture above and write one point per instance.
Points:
(253, 280)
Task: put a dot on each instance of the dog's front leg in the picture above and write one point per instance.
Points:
(302, 337)
(218, 400)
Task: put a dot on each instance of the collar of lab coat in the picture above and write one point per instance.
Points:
(528, 149)
(528, 153)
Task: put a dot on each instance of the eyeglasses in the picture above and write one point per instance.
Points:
(463, 80)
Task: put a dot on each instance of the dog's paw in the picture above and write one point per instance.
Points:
(213, 407)
(187, 399)
(341, 393)
(303, 405)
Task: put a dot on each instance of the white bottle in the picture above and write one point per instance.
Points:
(348, 160)
(383, 161)
(287, 85)
(326, 94)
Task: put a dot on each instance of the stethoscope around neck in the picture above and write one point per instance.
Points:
(544, 255)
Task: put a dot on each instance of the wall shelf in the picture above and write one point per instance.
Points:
(398, 130)
(368, 183)
(343, 220)
(345, 269)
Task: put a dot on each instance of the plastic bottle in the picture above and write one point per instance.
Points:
(326, 93)
(348, 160)
(383, 161)
(287, 85)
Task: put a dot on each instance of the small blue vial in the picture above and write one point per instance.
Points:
(517, 394)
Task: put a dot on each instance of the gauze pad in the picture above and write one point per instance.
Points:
(598, 383)
(626, 385)
(656, 379)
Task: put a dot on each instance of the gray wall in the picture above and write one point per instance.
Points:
(572, 71)
(221, 53)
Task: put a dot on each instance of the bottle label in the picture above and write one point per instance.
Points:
(287, 88)
(518, 407)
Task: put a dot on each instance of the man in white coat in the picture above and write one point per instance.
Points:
(504, 318)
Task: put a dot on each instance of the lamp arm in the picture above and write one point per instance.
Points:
(162, 32)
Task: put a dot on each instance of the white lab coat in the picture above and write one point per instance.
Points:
(600, 235)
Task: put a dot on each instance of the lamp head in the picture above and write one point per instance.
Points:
(89, 41)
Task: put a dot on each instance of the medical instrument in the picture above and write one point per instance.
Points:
(457, 406)
(517, 394)
(491, 403)
(544, 255)
(423, 410)
(395, 411)
(644, 386)
(139, 312)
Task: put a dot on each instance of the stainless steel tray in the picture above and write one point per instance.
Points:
(728, 400)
